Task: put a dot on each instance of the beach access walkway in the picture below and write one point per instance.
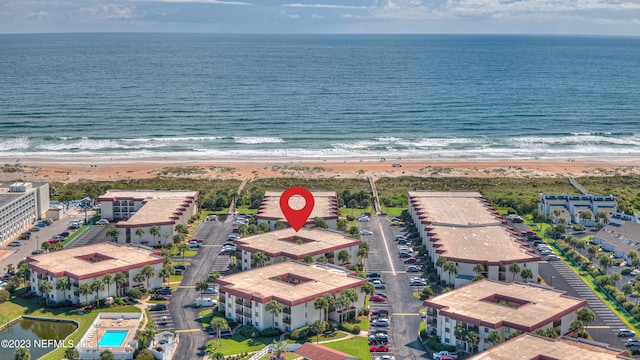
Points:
(575, 184)
(232, 207)
(374, 191)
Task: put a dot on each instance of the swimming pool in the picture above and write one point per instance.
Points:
(113, 338)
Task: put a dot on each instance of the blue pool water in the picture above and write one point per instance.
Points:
(113, 338)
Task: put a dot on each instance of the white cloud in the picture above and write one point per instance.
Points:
(219, 2)
(107, 12)
(324, 6)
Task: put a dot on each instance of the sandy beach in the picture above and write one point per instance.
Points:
(71, 171)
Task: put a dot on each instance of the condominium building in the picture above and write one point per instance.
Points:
(619, 237)
(508, 308)
(287, 244)
(326, 208)
(463, 228)
(294, 285)
(530, 346)
(85, 264)
(571, 206)
(145, 209)
(21, 205)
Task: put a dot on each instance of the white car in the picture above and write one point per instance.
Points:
(102, 222)
(378, 284)
(363, 218)
(366, 232)
(194, 244)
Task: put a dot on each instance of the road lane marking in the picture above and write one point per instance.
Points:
(386, 247)
(597, 327)
(188, 330)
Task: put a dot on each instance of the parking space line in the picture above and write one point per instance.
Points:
(189, 330)
(386, 246)
(597, 327)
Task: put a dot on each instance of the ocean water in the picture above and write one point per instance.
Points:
(203, 96)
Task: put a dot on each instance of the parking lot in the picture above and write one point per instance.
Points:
(402, 306)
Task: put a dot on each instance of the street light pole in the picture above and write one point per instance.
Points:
(552, 277)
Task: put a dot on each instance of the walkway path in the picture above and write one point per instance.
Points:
(232, 208)
(374, 191)
(600, 309)
(578, 186)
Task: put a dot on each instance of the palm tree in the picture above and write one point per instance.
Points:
(259, 259)
(165, 274)
(451, 268)
(307, 259)
(344, 302)
(494, 337)
(85, 289)
(526, 274)
(148, 273)
(97, 286)
(213, 276)
(602, 215)
(201, 286)
(330, 301)
(166, 237)
(46, 288)
(473, 339)
(108, 280)
(279, 347)
(318, 326)
(605, 261)
(478, 269)
(274, 308)
(319, 304)
(628, 289)
(182, 229)
(581, 245)
(616, 277)
(440, 264)
(107, 355)
(113, 232)
(322, 259)
(218, 324)
(514, 269)
(586, 316)
(71, 353)
(139, 232)
(352, 296)
(343, 256)
(22, 353)
(139, 277)
(368, 288)
(11, 269)
(63, 284)
(577, 327)
(155, 231)
(592, 252)
(556, 213)
(459, 331)
(183, 247)
(120, 278)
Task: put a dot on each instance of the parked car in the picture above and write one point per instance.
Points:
(632, 342)
(414, 268)
(379, 348)
(15, 243)
(380, 323)
(400, 237)
(194, 244)
(164, 291)
(402, 242)
(102, 222)
(24, 237)
(363, 219)
(417, 282)
(411, 260)
(626, 332)
(37, 252)
(379, 311)
(65, 234)
(378, 284)
(34, 229)
(233, 237)
(397, 223)
(443, 355)
(373, 275)
(366, 232)
(159, 297)
(405, 255)
(210, 291)
(553, 258)
(158, 307)
(377, 298)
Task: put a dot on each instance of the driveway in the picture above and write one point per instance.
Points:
(403, 307)
(193, 338)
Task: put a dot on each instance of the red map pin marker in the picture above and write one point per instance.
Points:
(297, 218)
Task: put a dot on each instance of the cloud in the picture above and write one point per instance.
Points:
(324, 6)
(218, 2)
(107, 12)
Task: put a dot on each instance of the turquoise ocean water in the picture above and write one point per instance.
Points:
(201, 96)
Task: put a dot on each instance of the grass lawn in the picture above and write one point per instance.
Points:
(204, 317)
(75, 234)
(361, 321)
(176, 279)
(288, 356)
(187, 253)
(185, 263)
(246, 210)
(392, 211)
(16, 307)
(239, 344)
(357, 346)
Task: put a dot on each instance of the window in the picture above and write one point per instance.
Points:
(276, 324)
(486, 330)
(507, 330)
(447, 330)
(446, 320)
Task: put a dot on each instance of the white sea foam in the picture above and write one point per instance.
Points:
(21, 143)
(257, 140)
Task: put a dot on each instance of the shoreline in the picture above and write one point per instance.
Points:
(71, 170)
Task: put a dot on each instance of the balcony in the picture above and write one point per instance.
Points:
(239, 311)
(286, 310)
(247, 314)
(222, 299)
(473, 328)
(286, 320)
(432, 312)
(432, 321)
(239, 302)
(247, 304)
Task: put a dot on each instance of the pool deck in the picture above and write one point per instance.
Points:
(102, 325)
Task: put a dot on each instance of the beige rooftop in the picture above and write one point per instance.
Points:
(453, 207)
(147, 194)
(156, 211)
(492, 244)
(527, 347)
(289, 242)
(264, 283)
(325, 207)
(531, 305)
(87, 261)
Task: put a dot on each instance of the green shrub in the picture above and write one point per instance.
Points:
(248, 331)
(4, 295)
(627, 305)
(621, 298)
(270, 332)
(144, 354)
(356, 330)
(134, 294)
(626, 271)
(302, 333)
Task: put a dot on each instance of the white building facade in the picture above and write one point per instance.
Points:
(21, 205)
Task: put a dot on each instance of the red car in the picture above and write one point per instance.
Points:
(379, 348)
(380, 312)
(377, 298)
(159, 297)
(411, 260)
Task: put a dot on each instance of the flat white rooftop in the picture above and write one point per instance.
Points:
(288, 242)
(326, 205)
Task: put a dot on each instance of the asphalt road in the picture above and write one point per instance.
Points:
(403, 307)
(193, 338)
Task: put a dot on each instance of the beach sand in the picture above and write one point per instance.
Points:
(71, 171)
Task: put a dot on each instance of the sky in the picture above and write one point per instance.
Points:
(589, 17)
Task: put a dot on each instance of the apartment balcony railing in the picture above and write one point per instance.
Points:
(286, 310)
